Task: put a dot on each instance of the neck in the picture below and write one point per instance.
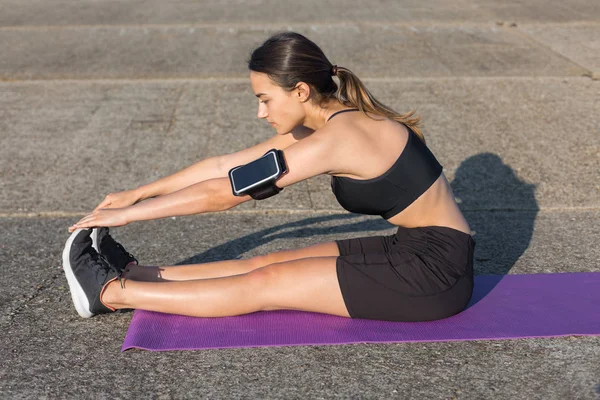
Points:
(316, 116)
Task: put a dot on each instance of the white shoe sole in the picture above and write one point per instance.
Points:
(94, 236)
(80, 300)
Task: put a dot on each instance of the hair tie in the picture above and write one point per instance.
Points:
(334, 69)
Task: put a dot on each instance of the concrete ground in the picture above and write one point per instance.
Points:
(100, 96)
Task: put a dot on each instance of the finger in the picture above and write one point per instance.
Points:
(74, 228)
(103, 204)
(84, 219)
(85, 222)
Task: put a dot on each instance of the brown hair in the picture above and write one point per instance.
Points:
(289, 58)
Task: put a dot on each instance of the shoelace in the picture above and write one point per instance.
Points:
(106, 265)
(120, 247)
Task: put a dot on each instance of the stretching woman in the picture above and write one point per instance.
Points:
(379, 165)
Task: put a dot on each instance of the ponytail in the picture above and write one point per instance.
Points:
(353, 93)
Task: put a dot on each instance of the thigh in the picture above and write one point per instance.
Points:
(327, 249)
(362, 245)
(308, 284)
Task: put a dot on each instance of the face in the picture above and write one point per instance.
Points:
(282, 109)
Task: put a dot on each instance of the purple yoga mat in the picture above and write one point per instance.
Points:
(502, 307)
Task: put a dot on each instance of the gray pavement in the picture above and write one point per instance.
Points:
(221, 52)
(102, 96)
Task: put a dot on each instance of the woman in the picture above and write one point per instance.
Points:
(379, 165)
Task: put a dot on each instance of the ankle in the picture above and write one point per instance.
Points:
(130, 271)
(112, 294)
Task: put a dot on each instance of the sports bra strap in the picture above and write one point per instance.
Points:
(342, 111)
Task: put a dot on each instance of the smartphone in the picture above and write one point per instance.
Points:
(257, 173)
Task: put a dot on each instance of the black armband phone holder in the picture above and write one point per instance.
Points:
(257, 178)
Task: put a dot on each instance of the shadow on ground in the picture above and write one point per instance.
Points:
(308, 227)
(507, 209)
(484, 183)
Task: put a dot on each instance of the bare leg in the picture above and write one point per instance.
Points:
(308, 284)
(227, 267)
(189, 272)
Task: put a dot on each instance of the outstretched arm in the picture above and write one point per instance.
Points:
(206, 169)
(208, 196)
(210, 168)
(306, 158)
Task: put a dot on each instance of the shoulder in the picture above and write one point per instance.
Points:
(316, 154)
(366, 145)
(358, 125)
(357, 131)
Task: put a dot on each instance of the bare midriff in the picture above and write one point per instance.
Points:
(435, 207)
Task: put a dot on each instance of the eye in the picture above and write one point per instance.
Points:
(264, 101)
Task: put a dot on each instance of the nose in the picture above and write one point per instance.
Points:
(262, 111)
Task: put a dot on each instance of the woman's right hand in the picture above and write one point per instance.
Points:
(119, 199)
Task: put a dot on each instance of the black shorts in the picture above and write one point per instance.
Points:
(417, 274)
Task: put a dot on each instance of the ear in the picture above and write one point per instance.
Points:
(302, 92)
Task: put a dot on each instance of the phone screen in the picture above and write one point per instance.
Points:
(255, 173)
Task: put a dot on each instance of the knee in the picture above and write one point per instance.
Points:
(260, 261)
(263, 282)
(263, 276)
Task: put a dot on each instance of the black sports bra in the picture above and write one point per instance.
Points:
(415, 170)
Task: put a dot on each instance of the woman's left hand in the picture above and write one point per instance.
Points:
(102, 217)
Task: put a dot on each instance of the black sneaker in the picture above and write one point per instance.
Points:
(87, 274)
(114, 252)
